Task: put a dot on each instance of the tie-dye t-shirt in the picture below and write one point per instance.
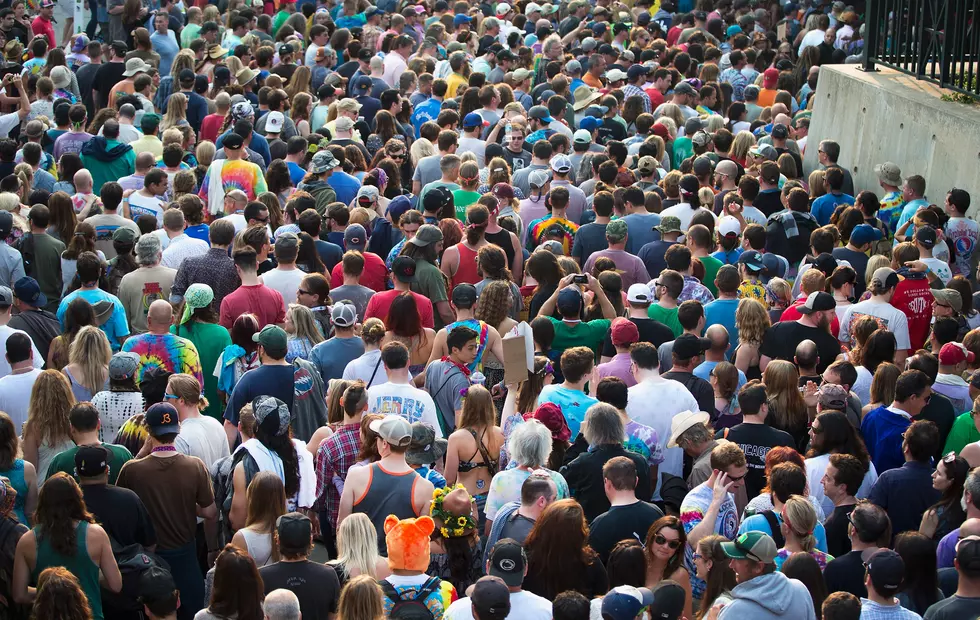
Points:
(238, 174)
(890, 210)
(693, 508)
(506, 487)
(409, 586)
(172, 353)
(644, 441)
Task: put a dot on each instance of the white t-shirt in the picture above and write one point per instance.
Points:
(671, 398)
(286, 282)
(405, 400)
(753, 215)
(8, 122)
(862, 386)
(816, 467)
(684, 213)
(940, 268)
(146, 205)
(5, 333)
(523, 605)
(887, 315)
(364, 367)
(204, 438)
(15, 394)
(473, 145)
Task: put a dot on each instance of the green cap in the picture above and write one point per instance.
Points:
(669, 224)
(124, 234)
(272, 338)
(616, 231)
(753, 545)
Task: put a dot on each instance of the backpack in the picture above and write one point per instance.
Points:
(413, 608)
(133, 560)
(26, 247)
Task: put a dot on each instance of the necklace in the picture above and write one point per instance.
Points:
(167, 448)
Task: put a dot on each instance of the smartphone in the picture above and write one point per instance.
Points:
(580, 278)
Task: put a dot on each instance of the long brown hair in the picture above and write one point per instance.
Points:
(9, 442)
(238, 589)
(478, 412)
(529, 390)
(59, 596)
(361, 599)
(47, 410)
(266, 497)
(787, 410)
(403, 318)
(369, 446)
(558, 547)
(721, 577)
(59, 505)
(677, 560)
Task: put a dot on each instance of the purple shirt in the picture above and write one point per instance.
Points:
(693, 289)
(618, 366)
(133, 182)
(70, 142)
(946, 551)
(632, 268)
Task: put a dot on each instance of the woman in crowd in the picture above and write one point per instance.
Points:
(240, 356)
(493, 307)
(752, 321)
(627, 564)
(82, 241)
(920, 587)
(544, 272)
(266, 498)
(559, 556)
(60, 595)
(176, 112)
(882, 391)
(307, 258)
(832, 433)
(666, 543)
(304, 333)
(473, 453)
(866, 354)
(493, 264)
(314, 293)
(714, 568)
(20, 473)
(46, 431)
(122, 400)
(63, 218)
(237, 591)
(357, 549)
(787, 409)
(522, 400)
(62, 522)
(947, 514)
(367, 367)
(724, 382)
(799, 520)
(775, 456)
(455, 553)
(404, 325)
(807, 570)
(198, 323)
(361, 599)
(88, 370)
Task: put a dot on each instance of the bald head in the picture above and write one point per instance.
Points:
(159, 317)
(779, 108)
(281, 604)
(718, 336)
(83, 181)
(970, 527)
(144, 161)
(784, 120)
(806, 355)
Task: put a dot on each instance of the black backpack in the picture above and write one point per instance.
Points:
(133, 560)
(413, 608)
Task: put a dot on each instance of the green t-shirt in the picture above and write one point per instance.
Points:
(430, 282)
(210, 340)
(279, 19)
(585, 334)
(711, 267)
(65, 461)
(963, 433)
(463, 199)
(666, 316)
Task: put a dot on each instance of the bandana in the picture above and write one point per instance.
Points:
(462, 367)
(197, 296)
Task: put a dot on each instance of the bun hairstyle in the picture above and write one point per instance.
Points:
(373, 331)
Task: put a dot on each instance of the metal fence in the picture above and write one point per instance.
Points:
(934, 40)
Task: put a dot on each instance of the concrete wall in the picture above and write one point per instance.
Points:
(889, 116)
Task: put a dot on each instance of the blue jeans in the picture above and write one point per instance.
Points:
(187, 576)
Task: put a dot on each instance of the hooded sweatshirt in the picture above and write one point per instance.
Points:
(107, 160)
(770, 596)
(955, 389)
(882, 430)
(322, 193)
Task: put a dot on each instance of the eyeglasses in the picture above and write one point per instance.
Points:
(264, 220)
(397, 155)
(300, 291)
(660, 539)
(737, 478)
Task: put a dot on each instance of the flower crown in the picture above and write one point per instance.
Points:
(453, 526)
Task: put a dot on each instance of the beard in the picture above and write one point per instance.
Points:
(824, 322)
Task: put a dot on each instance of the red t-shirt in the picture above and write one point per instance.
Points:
(43, 27)
(260, 300)
(380, 304)
(210, 126)
(375, 275)
(914, 299)
(656, 97)
(793, 314)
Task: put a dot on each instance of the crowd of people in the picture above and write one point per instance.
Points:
(271, 273)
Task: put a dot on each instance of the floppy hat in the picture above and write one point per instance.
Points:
(683, 421)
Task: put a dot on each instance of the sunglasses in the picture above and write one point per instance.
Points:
(171, 396)
(660, 539)
(397, 155)
(950, 458)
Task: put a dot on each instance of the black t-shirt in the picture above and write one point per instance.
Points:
(954, 608)
(939, 410)
(106, 77)
(516, 161)
(651, 330)
(835, 526)
(756, 440)
(610, 129)
(285, 71)
(620, 523)
(315, 585)
(121, 513)
(698, 387)
(781, 340)
(846, 574)
(768, 203)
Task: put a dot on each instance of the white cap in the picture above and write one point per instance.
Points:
(274, 122)
(503, 9)
(531, 8)
(728, 225)
(582, 136)
(639, 293)
(615, 75)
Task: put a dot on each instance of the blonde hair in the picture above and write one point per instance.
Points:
(205, 153)
(801, 521)
(744, 140)
(752, 321)
(815, 182)
(373, 331)
(478, 411)
(357, 545)
(875, 262)
(47, 411)
(781, 290)
(421, 148)
(715, 121)
(176, 111)
(361, 599)
(304, 323)
(187, 387)
(91, 352)
(673, 112)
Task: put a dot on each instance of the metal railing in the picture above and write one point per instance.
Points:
(933, 40)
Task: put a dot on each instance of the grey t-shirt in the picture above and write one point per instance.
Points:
(589, 238)
(427, 170)
(331, 356)
(443, 381)
(357, 295)
(640, 230)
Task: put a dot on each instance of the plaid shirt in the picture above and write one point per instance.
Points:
(215, 268)
(631, 90)
(333, 458)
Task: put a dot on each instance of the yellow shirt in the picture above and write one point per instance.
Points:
(454, 81)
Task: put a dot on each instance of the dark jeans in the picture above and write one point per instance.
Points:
(187, 575)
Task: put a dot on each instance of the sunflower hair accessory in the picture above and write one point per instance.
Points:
(453, 526)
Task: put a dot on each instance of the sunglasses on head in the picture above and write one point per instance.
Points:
(660, 539)
(949, 458)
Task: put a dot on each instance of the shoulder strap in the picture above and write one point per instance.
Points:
(389, 590)
(376, 367)
(777, 535)
(429, 587)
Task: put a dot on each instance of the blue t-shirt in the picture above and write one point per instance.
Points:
(165, 45)
(296, 172)
(344, 185)
(640, 230)
(573, 404)
(427, 111)
(199, 231)
(274, 380)
(331, 356)
(722, 312)
(758, 523)
(824, 206)
(728, 258)
(116, 328)
(330, 253)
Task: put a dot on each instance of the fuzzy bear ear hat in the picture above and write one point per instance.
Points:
(408, 542)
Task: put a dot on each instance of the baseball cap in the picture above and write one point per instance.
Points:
(623, 332)
(540, 113)
(647, 165)
(779, 132)
(569, 301)
(668, 601)
(6, 223)
(399, 206)
(590, 123)
(6, 296)
(538, 178)
(123, 365)
(751, 259)
(508, 561)
(284, 48)
(393, 429)
(616, 231)
(26, 288)
(294, 530)
(366, 196)
(363, 83)
(156, 584)
(669, 224)
(425, 448)
(683, 88)
(427, 234)
(766, 151)
(639, 293)
(826, 263)
(887, 570)
(953, 353)
(125, 234)
(551, 416)
(403, 269)
(687, 346)
(683, 421)
(272, 414)
(926, 235)
(491, 598)
(464, 295)
(729, 225)
(884, 278)
(817, 302)
(521, 74)
(583, 136)
(161, 418)
(769, 77)
(865, 233)
(689, 185)
(473, 120)
(733, 30)
(753, 545)
(343, 314)
(573, 66)
(948, 297)
(272, 338)
(460, 19)
(436, 198)
(355, 237)
(561, 163)
(274, 122)
(91, 461)
(636, 71)
(774, 264)
(81, 42)
(702, 165)
(625, 602)
(233, 141)
(615, 75)
(968, 553)
(832, 396)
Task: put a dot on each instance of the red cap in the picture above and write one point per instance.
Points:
(769, 78)
(661, 130)
(954, 353)
(624, 332)
(551, 416)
